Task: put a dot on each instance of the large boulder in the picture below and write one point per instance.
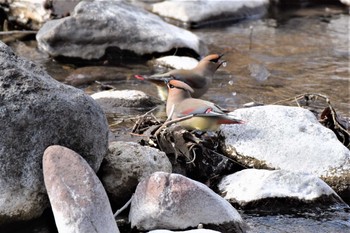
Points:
(78, 199)
(37, 111)
(288, 138)
(173, 201)
(201, 12)
(126, 164)
(116, 26)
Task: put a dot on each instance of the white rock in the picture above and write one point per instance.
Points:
(288, 138)
(110, 100)
(173, 201)
(253, 184)
(199, 10)
(177, 62)
(189, 231)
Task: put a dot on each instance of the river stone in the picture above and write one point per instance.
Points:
(206, 11)
(78, 199)
(254, 186)
(173, 201)
(176, 62)
(112, 100)
(288, 138)
(97, 26)
(37, 111)
(125, 165)
(189, 231)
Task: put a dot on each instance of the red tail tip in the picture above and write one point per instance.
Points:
(140, 77)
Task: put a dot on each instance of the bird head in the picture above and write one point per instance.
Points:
(173, 83)
(211, 62)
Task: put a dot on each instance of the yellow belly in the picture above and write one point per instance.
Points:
(200, 123)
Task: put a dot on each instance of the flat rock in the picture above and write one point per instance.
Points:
(125, 165)
(251, 186)
(112, 100)
(78, 199)
(209, 11)
(37, 111)
(173, 201)
(176, 62)
(288, 138)
(98, 26)
(189, 231)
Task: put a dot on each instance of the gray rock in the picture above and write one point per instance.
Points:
(189, 231)
(251, 186)
(112, 100)
(125, 165)
(288, 138)
(78, 199)
(204, 11)
(173, 201)
(36, 111)
(96, 26)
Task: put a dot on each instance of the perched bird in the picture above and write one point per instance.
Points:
(207, 116)
(198, 78)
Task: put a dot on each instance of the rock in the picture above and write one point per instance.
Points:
(36, 12)
(112, 100)
(288, 138)
(78, 199)
(125, 165)
(189, 231)
(113, 28)
(37, 111)
(176, 62)
(173, 201)
(201, 12)
(255, 188)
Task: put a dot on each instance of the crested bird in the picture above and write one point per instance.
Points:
(199, 78)
(206, 116)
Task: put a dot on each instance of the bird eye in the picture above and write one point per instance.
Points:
(171, 86)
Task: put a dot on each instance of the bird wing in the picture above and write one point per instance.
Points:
(196, 107)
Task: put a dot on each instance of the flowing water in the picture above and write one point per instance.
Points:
(292, 53)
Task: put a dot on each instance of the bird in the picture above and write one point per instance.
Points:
(206, 116)
(199, 78)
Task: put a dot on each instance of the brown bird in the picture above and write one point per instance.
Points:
(198, 78)
(207, 116)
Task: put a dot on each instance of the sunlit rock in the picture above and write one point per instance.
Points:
(37, 111)
(256, 188)
(95, 27)
(173, 201)
(189, 231)
(200, 12)
(288, 138)
(176, 62)
(125, 165)
(78, 199)
(111, 100)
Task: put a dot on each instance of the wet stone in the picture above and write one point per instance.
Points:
(78, 199)
(173, 201)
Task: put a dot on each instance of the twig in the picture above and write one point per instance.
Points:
(9, 33)
(123, 208)
(167, 123)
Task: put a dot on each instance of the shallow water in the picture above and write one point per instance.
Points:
(300, 51)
